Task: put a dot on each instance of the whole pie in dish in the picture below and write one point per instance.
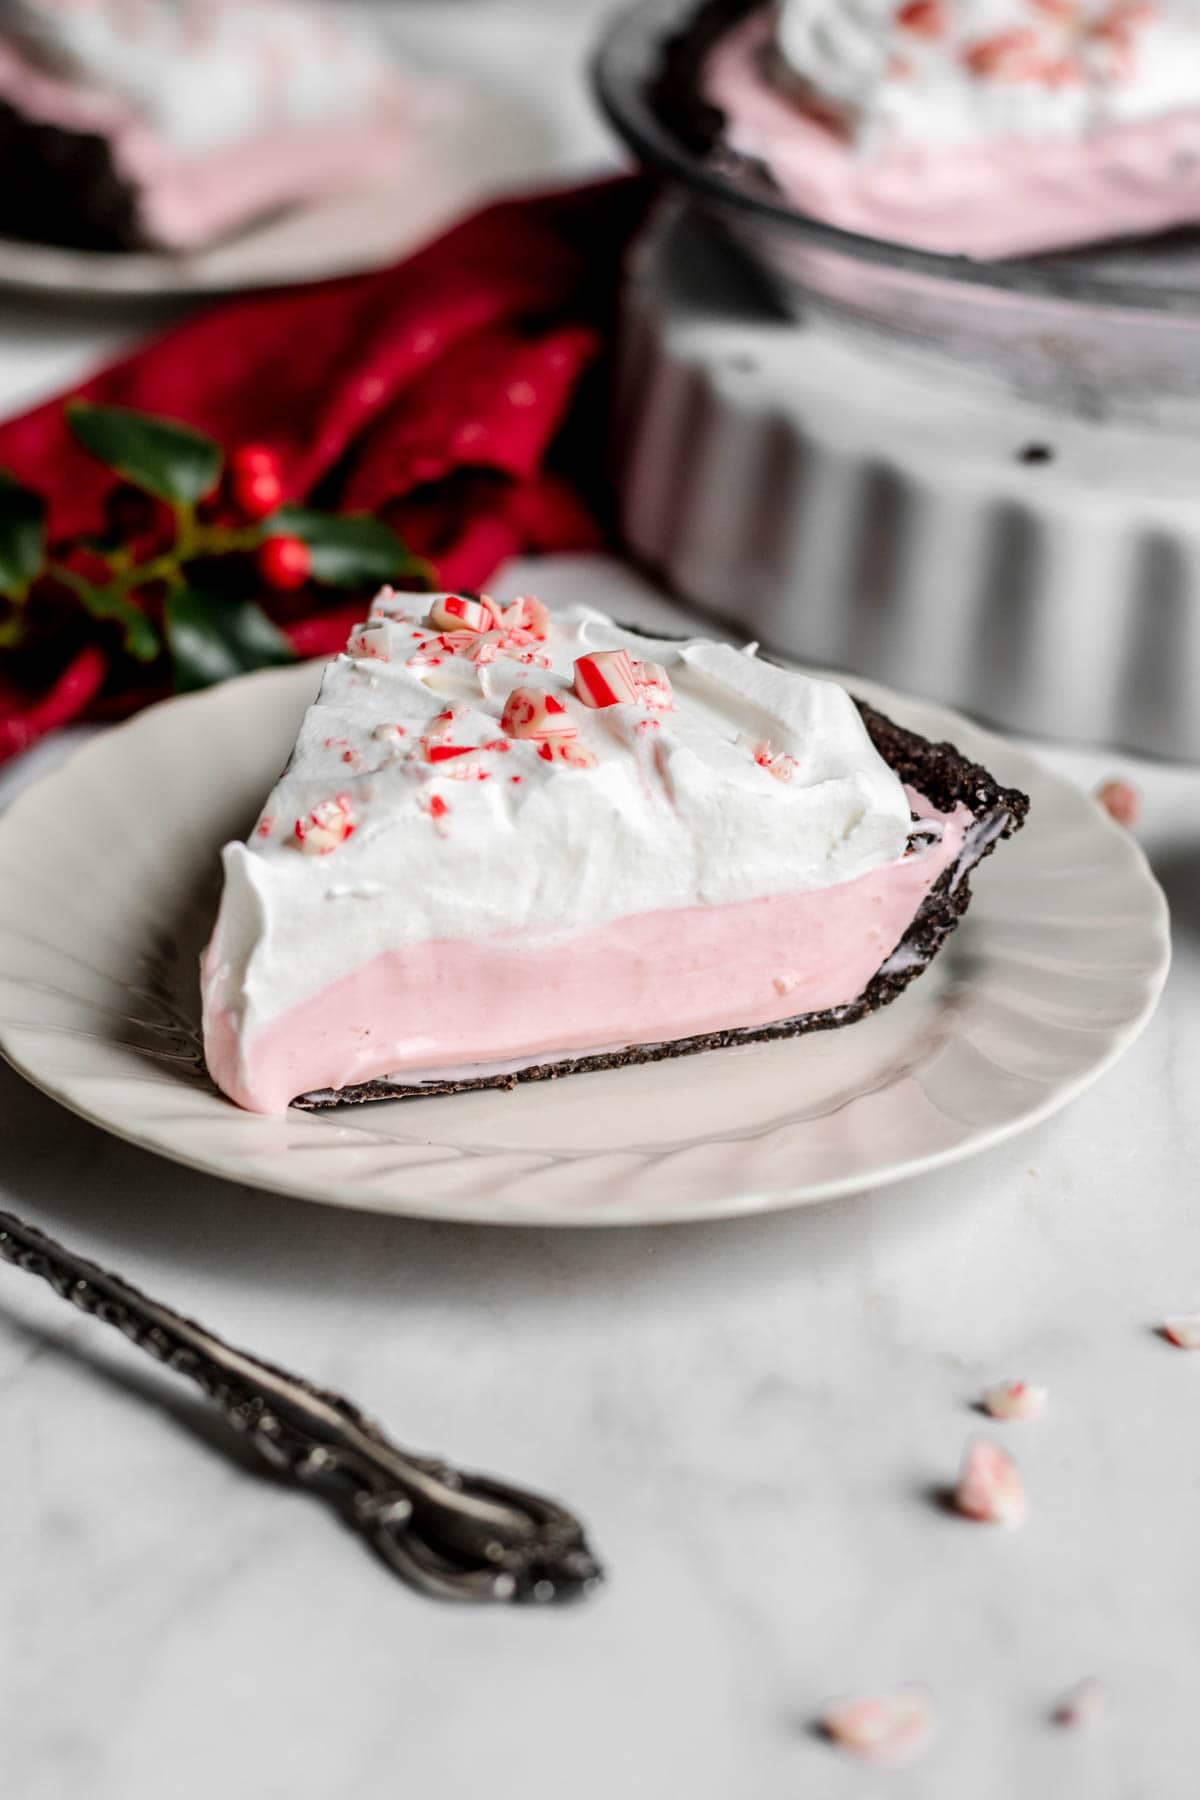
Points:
(510, 846)
(988, 128)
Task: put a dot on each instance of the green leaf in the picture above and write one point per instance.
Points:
(141, 640)
(348, 549)
(167, 459)
(22, 538)
(212, 637)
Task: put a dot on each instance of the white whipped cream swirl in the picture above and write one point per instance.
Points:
(675, 813)
(972, 71)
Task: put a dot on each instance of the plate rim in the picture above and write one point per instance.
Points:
(745, 1203)
(115, 277)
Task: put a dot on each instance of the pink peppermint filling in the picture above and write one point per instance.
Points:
(459, 1004)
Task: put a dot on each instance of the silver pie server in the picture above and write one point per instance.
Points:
(450, 1535)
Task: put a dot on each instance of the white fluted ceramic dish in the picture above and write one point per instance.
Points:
(489, 145)
(108, 882)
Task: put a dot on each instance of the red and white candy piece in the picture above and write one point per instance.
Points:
(437, 752)
(455, 612)
(653, 685)
(391, 735)
(326, 826)
(569, 751)
(534, 713)
(1183, 1332)
(526, 615)
(891, 1728)
(440, 729)
(468, 767)
(1011, 55)
(387, 603)
(990, 1488)
(1121, 801)
(1014, 1400)
(370, 642)
(776, 762)
(1086, 1702)
(606, 678)
(924, 18)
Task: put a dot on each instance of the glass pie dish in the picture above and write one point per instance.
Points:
(1106, 332)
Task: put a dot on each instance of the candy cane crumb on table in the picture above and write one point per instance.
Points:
(1014, 1400)
(989, 1488)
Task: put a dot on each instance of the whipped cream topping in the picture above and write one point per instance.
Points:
(946, 72)
(420, 818)
(206, 73)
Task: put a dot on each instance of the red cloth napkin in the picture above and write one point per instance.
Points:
(447, 393)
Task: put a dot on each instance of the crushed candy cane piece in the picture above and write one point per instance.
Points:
(1014, 1400)
(526, 615)
(1183, 1332)
(1121, 801)
(534, 713)
(1012, 55)
(776, 762)
(653, 685)
(569, 751)
(466, 768)
(389, 734)
(326, 826)
(438, 753)
(784, 984)
(369, 642)
(1086, 1702)
(990, 1488)
(441, 726)
(457, 613)
(606, 678)
(924, 18)
(891, 1728)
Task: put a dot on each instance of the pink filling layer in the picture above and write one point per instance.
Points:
(1000, 199)
(188, 199)
(643, 980)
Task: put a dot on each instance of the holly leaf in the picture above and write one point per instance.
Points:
(212, 638)
(22, 538)
(161, 456)
(347, 549)
(140, 639)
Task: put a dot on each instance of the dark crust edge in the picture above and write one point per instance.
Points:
(938, 772)
(61, 187)
(677, 96)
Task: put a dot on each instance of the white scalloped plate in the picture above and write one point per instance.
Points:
(490, 145)
(108, 882)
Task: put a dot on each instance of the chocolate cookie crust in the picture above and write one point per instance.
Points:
(61, 187)
(938, 772)
(676, 93)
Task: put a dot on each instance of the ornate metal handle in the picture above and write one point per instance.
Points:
(451, 1535)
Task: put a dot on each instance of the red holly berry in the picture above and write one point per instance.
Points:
(255, 481)
(284, 563)
(254, 458)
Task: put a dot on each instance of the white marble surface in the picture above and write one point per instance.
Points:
(754, 1417)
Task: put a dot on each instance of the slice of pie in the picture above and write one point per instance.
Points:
(169, 124)
(510, 846)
